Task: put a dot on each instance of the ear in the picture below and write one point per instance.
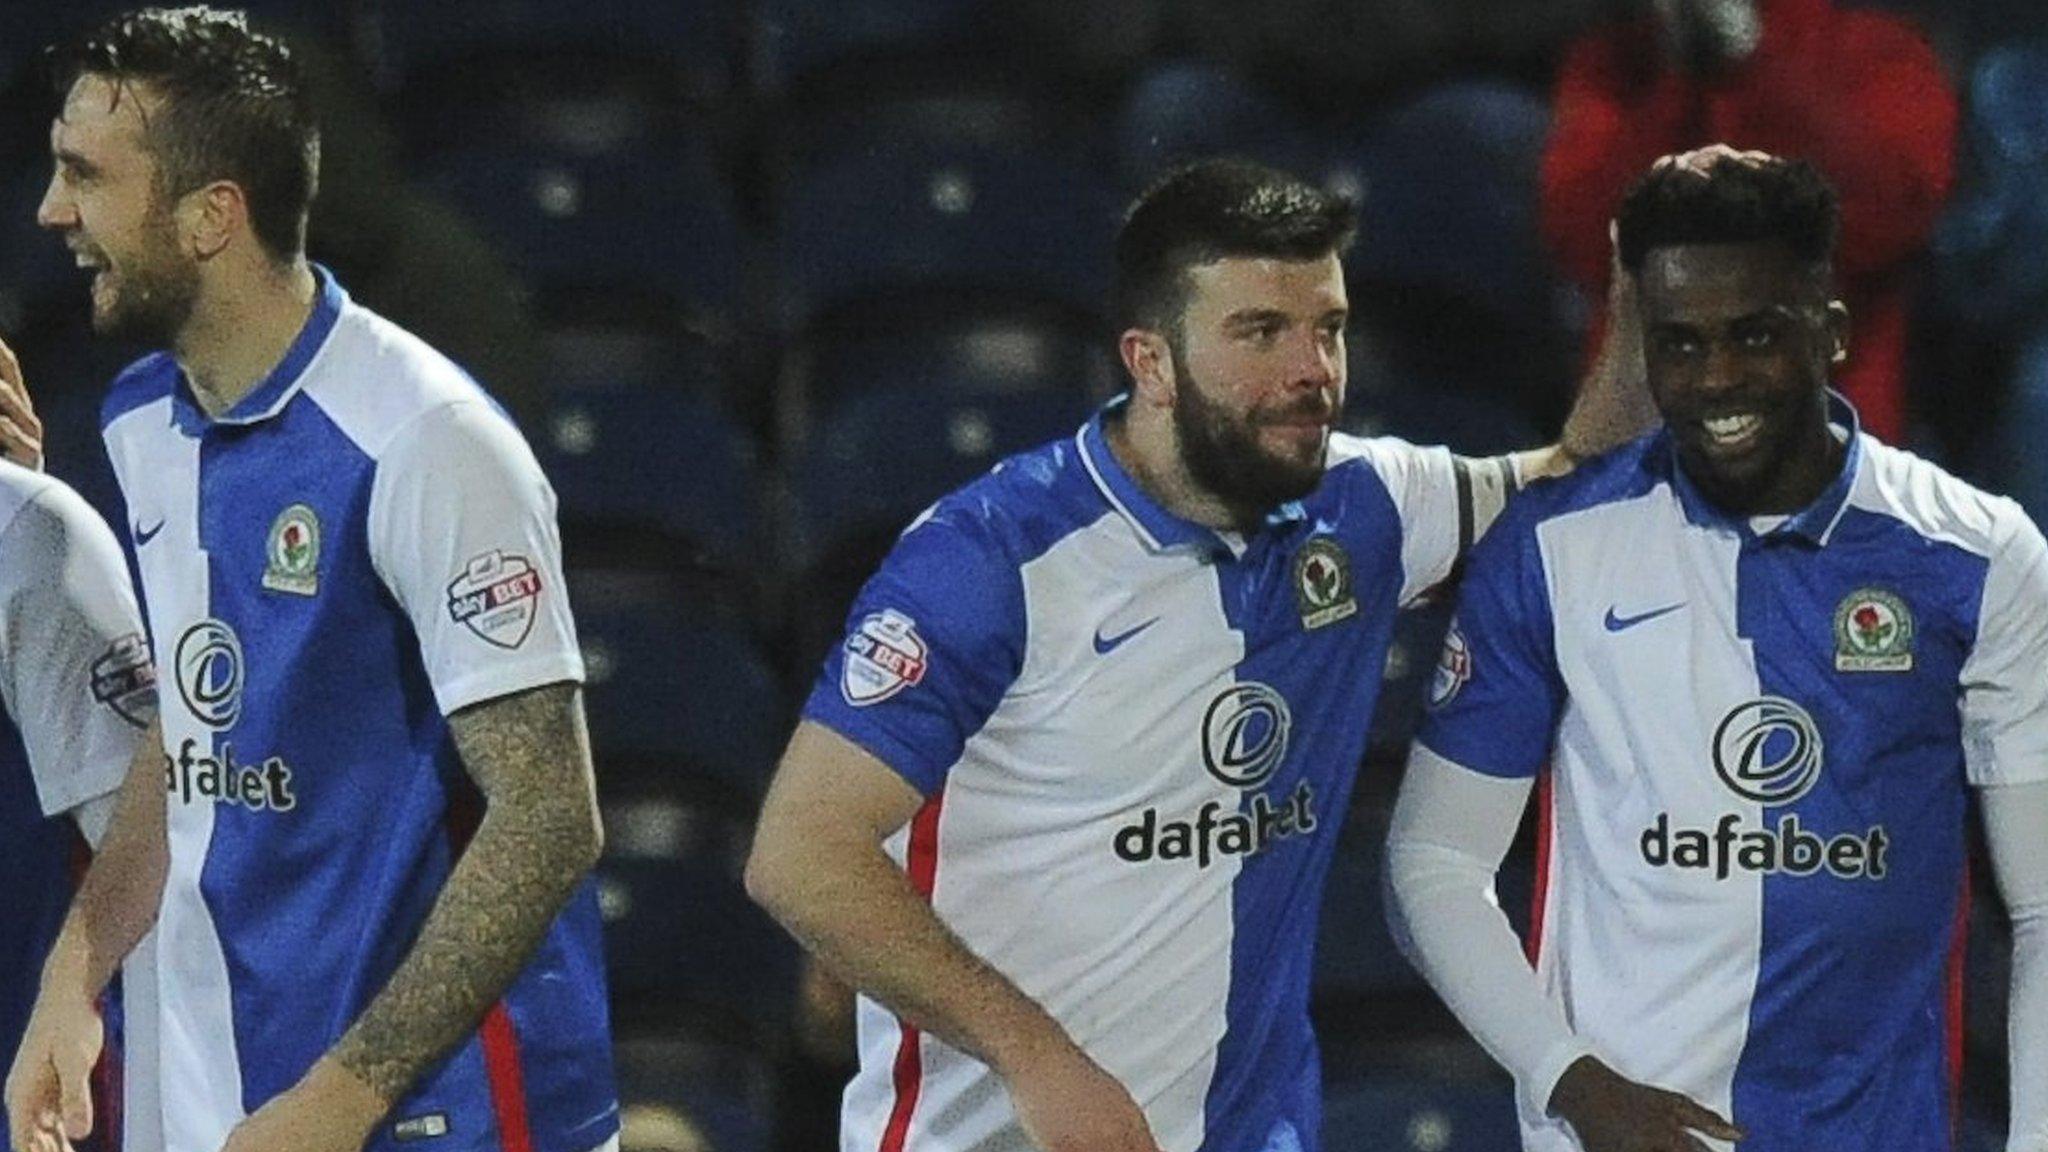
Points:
(1149, 360)
(211, 217)
(1838, 331)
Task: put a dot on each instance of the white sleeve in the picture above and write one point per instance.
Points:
(1445, 502)
(462, 531)
(2016, 829)
(74, 668)
(2005, 679)
(1451, 828)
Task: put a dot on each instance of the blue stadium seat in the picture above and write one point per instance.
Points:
(658, 218)
(1448, 182)
(680, 697)
(793, 37)
(1186, 110)
(726, 1092)
(683, 942)
(653, 463)
(885, 454)
(1406, 1111)
(699, 39)
(885, 215)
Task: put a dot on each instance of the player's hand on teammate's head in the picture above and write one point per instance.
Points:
(21, 432)
(1611, 1113)
(1702, 161)
(1067, 1103)
(49, 1089)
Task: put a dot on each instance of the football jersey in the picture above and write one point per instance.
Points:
(78, 688)
(360, 547)
(1753, 861)
(1136, 737)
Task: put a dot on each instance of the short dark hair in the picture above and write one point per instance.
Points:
(1214, 209)
(1737, 201)
(233, 108)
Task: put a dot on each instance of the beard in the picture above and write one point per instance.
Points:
(153, 293)
(1222, 453)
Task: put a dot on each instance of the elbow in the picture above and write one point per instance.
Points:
(761, 876)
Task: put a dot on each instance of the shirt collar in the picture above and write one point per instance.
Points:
(1815, 522)
(269, 397)
(1160, 529)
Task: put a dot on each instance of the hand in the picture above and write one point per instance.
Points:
(21, 433)
(329, 1110)
(1067, 1103)
(1701, 162)
(49, 1091)
(1613, 1114)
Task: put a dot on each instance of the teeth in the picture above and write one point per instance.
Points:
(1726, 428)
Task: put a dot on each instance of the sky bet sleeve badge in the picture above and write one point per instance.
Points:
(293, 552)
(496, 597)
(1873, 633)
(1322, 584)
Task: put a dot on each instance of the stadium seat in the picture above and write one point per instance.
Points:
(883, 455)
(695, 40)
(1409, 1111)
(794, 37)
(658, 218)
(650, 464)
(1185, 110)
(995, 353)
(683, 942)
(886, 216)
(680, 697)
(1448, 185)
(725, 1092)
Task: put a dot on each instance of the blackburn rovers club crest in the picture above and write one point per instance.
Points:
(1322, 583)
(293, 552)
(1873, 633)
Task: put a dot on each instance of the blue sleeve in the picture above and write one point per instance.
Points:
(1495, 701)
(932, 644)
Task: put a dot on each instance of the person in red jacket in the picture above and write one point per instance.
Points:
(1860, 94)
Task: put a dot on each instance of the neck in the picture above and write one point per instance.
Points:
(1145, 444)
(240, 330)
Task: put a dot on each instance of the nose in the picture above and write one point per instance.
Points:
(1319, 364)
(1723, 369)
(56, 210)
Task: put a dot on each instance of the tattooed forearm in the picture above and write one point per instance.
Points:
(529, 755)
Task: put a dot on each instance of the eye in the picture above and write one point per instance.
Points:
(1677, 344)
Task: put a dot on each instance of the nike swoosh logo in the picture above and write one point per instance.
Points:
(1623, 623)
(1104, 645)
(145, 535)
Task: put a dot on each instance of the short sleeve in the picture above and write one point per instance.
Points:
(2005, 678)
(1497, 694)
(462, 531)
(1444, 502)
(75, 667)
(933, 642)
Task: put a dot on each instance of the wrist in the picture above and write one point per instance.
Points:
(345, 1095)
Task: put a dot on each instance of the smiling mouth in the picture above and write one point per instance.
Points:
(1732, 431)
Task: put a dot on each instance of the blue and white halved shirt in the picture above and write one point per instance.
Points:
(1761, 745)
(361, 547)
(1137, 737)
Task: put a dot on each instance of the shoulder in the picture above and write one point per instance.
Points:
(1938, 506)
(26, 493)
(382, 385)
(139, 385)
(1014, 513)
(1620, 474)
